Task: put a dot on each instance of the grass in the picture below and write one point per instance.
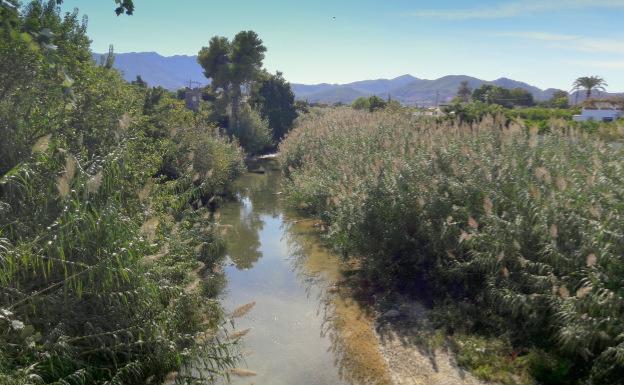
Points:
(521, 229)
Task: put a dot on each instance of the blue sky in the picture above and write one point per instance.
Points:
(547, 43)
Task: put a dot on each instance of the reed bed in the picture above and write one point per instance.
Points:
(510, 231)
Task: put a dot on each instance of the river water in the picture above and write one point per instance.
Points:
(302, 330)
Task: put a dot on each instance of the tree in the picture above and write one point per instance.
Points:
(361, 103)
(275, 101)
(491, 94)
(521, 97)
(139, 82)
(302, 106)
(123, 6)
(376, 103)
(482, 94)
(560, 99)
(233, 65)
(589, 84)
(464, 92)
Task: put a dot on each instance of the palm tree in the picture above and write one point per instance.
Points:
(589, 84)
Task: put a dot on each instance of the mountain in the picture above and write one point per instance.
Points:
(175, 72)
(172, 72)
(381, 86)
(408, 89)
(333, 95)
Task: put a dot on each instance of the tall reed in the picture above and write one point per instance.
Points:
(522, 229)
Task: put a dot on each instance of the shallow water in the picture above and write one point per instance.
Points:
(300, 333)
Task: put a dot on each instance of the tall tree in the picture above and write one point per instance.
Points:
(464, 92)
(589, 84)
(276, 102)
(246, 58)
(232, 66)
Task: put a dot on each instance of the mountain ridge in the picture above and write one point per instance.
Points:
(175, 72)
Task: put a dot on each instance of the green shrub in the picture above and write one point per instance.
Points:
(102, 222)
(252, 131)
(361, 103)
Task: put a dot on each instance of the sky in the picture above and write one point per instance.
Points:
(547, 43)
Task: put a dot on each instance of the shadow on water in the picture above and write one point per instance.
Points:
(304, 329)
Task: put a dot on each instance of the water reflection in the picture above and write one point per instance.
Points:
(302, 330)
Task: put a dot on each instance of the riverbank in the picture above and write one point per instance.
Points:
(313, 321)
(303, 328)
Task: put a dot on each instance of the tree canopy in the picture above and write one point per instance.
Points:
(492, 94)
(276, 102)
(589, 84)
(232, 65)
(123, 6)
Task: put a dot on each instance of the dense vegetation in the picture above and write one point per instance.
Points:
(248, 103)
(106, 249)
(506, 232)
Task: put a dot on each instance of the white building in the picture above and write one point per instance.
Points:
(600, 111)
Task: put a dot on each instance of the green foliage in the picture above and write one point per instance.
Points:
(542, 114)
(589, 84)
(473, 112)
(559, 100)
(139, 82)
(491, 94)
(231, 66)
(376, 103)
(490, 360)
(96, 240)
(252, 131)
(123, 6)
(302, 107)
(372, 103)
(276, 102)
(521, 230)
(361, 103)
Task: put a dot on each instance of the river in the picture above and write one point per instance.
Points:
(303, 330)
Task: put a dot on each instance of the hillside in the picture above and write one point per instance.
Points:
(172, 72)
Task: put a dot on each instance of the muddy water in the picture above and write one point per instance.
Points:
(304, 330)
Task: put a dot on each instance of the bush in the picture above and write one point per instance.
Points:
(101, 221)
(525, 228)
(361, 103)
(252, 131)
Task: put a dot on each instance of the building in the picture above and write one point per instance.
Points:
(601, 111)
(192, 97)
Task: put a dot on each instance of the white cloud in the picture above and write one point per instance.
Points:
(515, 8)
(573, 42)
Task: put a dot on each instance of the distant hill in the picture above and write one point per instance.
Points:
(172, 72)
(407, 89)
(175, 72)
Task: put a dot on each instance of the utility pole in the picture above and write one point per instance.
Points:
(437, 102)
(192, 83)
